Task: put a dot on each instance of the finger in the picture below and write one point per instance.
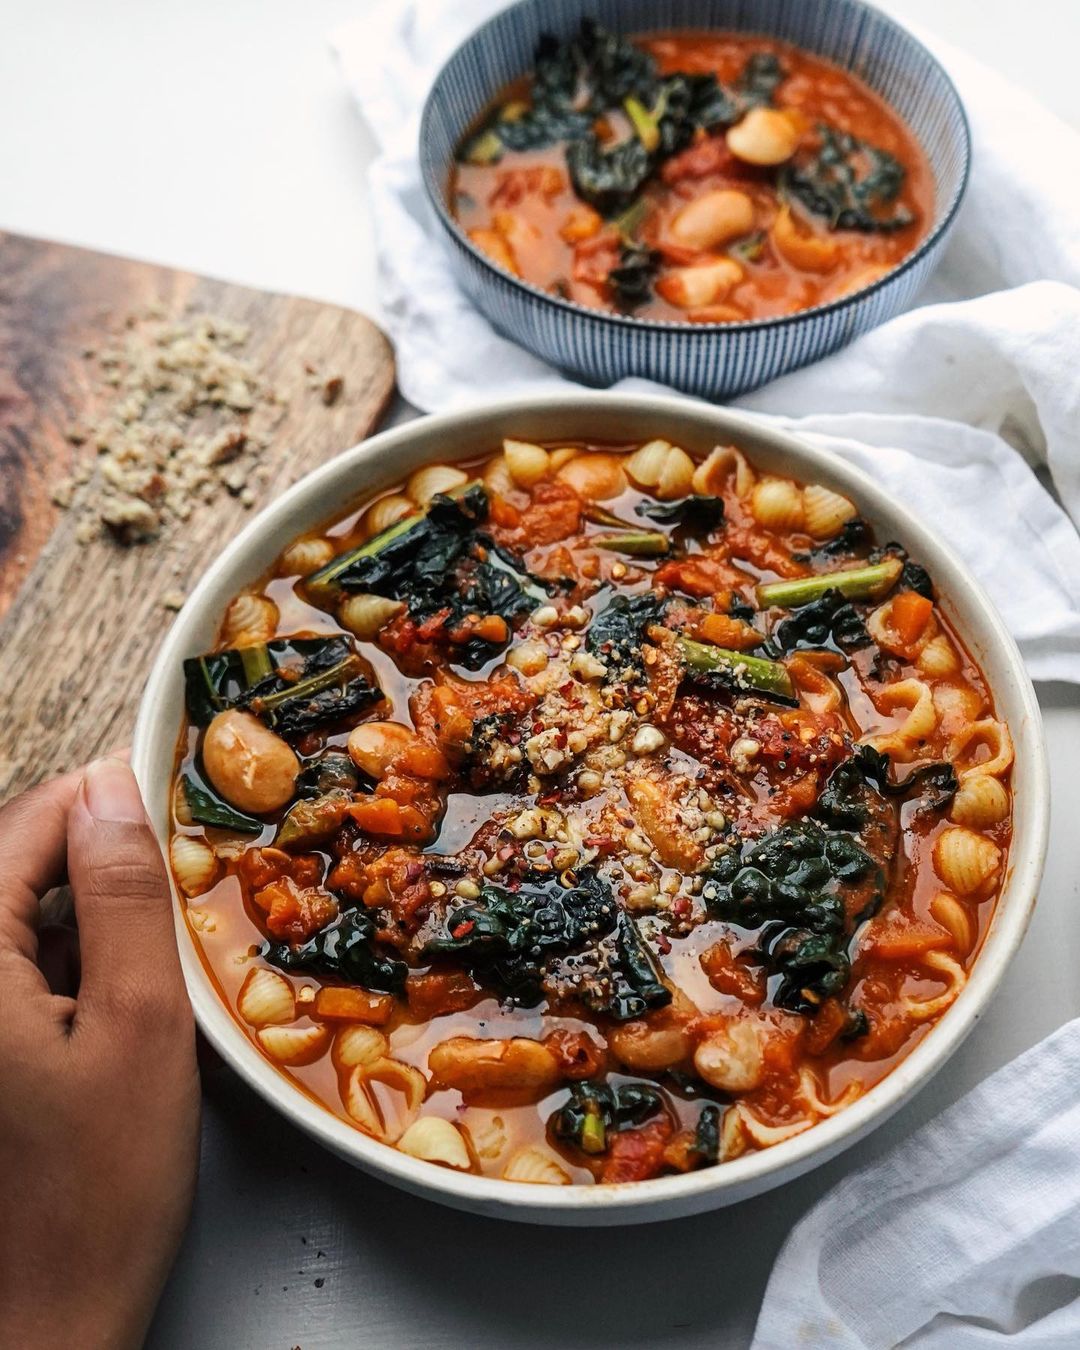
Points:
(130, 965)
(33, 857)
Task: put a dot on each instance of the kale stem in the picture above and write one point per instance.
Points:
(323, 583)
(855, 583)
(344, 671)
(749, 672)
(256, 663)
(635, 543)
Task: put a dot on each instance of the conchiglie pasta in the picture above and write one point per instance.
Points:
(980, 802)
(432, 479)
(249, 621)
(992, 735)
(488, 1133)
(537, 1167)
(944, 967)
(919, 724)
(597, 477)
(385, 512)
(357, 1044)
(294, 1045)
(953, 915)
(194, 863)
(966, 861)
(663, 468)
(266, 999)
(436, 1140)
(777, 504)
(527, 463)
(724, 461)
(825, 512)
(938, 658)
(305, 556)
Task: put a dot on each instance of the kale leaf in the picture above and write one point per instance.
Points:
(346, 950)
(632, 278)
(608, 179)
(790, 884)
(544, 938)
(293, 684)
(846, 802)
(697, 512)
(914, 577)
(333, 770)
(616, 634)
(855, 536)
(849, 182)
(443, 564)
(761, 77)
(209, 809)
(830, 621)
(706, 1145)
(595, 1110)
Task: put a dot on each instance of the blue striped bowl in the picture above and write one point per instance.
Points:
(713, 360)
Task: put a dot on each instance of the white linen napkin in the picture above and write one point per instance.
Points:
(964, 1237)
(937, 403)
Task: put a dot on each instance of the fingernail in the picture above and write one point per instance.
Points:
(112, 792)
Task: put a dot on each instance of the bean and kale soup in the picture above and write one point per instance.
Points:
(691, 177)
(590, 813)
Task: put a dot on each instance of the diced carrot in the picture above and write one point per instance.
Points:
(434, 993)
(378, 815)
(353, 1005)
(581, 223)
(495, 246)
(910, 614)
(900, 939)
(728, 632)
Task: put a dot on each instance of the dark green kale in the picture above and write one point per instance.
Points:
(849, 182)
(332, 771)
(616, 634)
(442, 564)
(852, 540)
(209, 809)
(596, 1110)
(761, 77)
(831, 621)
(608, 179)
(706, 1145)
(345, 950)
(542, 937)
(632, 279)
(848, 799)
(292, 684)
(697, 513)
(914, 577)
(792, 885)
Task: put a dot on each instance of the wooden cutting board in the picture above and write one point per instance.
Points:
(80, 622)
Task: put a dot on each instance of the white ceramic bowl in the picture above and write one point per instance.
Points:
(386, 459)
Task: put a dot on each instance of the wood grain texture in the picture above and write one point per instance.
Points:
(79, 623)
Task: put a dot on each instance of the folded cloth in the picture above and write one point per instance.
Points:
(944, 403)
(964, 1237)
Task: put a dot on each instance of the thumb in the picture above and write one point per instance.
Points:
(130, 965)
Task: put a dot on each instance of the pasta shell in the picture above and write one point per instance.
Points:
(361, 1105)
(293, 1045)
(488, 1134)
(777, 504)
(938, 658)
(957, 705)
(981, 801)
(181, 805)
(527, 463)
(266, 999)
(733, 1140)
(596, 477)
(368, 615)
(995, 737)
(383, 1097)
(537, 1167)
(249, 620)
(438, 1141)
(403, 1078)
(647, 465)
(432, 479)
(676, 477)
(966, 861)
(955, 918)
(357, 1044)
(194, 863)
(304, 556)
(497, 478)
(562, 456)
(385, 512)
(710, 476)
(825, 512)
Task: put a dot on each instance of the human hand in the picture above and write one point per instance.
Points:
(99, 1091)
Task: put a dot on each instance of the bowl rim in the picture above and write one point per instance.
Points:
(666, 1197)
(436, 197)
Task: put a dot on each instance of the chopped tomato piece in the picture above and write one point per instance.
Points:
(698, 576)
(294, 913)
(734, 975)
(898, 937)
(578, 1054)
(436, 992)
(637, 1155)
(704, 157)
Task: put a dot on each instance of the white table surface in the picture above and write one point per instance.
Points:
(216, 135)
